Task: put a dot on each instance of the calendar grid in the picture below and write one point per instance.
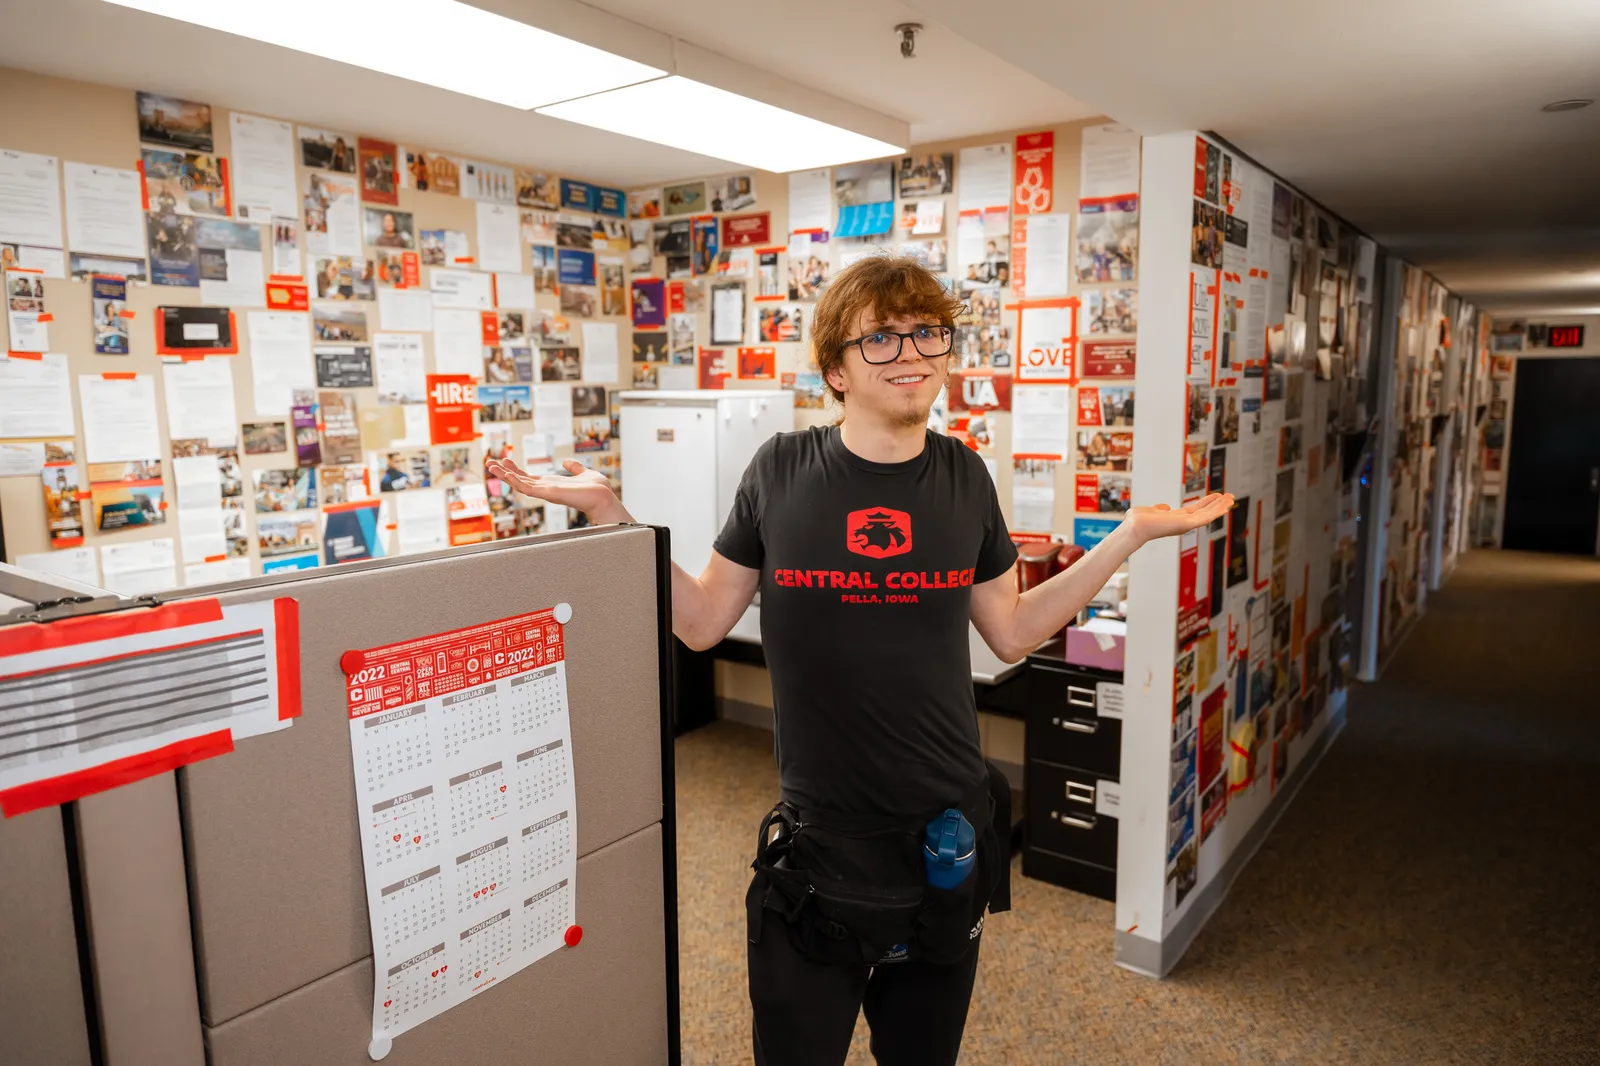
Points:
(461, 745)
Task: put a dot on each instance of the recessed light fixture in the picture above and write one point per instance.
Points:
(451, 45)
(1574, 104)
(696, 117)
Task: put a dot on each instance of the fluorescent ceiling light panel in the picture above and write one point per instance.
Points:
(701, 118)
(436, 42)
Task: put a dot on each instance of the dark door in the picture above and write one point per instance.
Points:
(1553, 482)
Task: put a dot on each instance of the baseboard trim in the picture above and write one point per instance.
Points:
(1153, 958)
(745, 713)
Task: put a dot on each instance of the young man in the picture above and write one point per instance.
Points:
(873, 542)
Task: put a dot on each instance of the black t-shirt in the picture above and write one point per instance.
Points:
(866, 583)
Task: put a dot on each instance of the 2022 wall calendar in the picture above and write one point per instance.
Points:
(462, 750)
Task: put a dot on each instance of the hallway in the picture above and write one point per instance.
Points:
(1428, 897)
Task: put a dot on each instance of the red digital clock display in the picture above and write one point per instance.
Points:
(1565, 337)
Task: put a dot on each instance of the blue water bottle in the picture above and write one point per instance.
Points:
(949, 849)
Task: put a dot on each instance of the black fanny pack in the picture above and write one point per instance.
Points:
(854, 889)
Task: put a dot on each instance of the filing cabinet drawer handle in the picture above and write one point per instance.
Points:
(1080, 726)
(1080, 793)
(1080, 697)
(1076, 822)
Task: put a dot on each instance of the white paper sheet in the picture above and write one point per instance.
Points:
(461, 288)
(535, 446)
(21, 460)
(334, 197)
(51, 262)
(457, 342)
(25, 332)
(469, 835)
(677, 377)
(421, 520)
(245, 285)
(552, 412)
(74, 564)
(200, 400)
(929, 217)
(408, 310)
(280, 359)
(417, 434)
(262, 167)
(811, 199)
(1110, 162)
(513, 290)
(1041, 421)
(1033, 503)
(105, 211)
(136, 567)
(198, 483)
(600, 352)
(727, 314)
(233, 568)
(1049, 251)
(398, 368)
(30, 199)
(36, 397)
(119, 418)
(983, 177)
(499, 238)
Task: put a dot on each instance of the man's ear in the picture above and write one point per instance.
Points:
(835, 377)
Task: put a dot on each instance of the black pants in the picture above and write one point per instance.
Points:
(805, 1013)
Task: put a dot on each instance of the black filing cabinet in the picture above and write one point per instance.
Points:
(1073, 749)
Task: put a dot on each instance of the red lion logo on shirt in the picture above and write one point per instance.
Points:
(878, 532)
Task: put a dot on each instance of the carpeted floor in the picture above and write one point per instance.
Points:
(1430, 896)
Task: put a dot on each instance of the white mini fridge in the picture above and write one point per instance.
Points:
(684, 453)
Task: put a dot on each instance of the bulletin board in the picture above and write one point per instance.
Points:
(727, 237)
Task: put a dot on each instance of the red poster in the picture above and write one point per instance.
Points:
(1201, 151)
(713, 363)
(491, 328)
(979, 390)
(476, 530)
(1108, 359)
(283, 296)
(760, 364)
(410, 271)
(675, 300)
(1089, 406)
(380, 171)
(1211, 735)
(741, 230)
(1188, 577)
(1193, 623)
(1019, 257)
(452, 398)
(1087, 493)
(1046, 361)
(1036, 173)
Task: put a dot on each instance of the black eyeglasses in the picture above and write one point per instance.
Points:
(884, 347)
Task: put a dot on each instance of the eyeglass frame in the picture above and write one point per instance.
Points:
(949, 347)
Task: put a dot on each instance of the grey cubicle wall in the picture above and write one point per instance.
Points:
(280, 970)
(41, 995)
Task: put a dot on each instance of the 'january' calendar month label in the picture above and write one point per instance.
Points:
(462, 749)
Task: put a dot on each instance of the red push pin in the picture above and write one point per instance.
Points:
(352, 661)
(573, 935)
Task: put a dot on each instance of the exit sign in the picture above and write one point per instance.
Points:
(1565, 337)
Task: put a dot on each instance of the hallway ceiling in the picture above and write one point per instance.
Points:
(847, 48)
(1418, 120)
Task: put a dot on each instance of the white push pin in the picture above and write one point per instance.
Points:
(379, 1047)
(563, 613)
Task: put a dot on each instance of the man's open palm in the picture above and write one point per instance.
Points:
(587, 490)
(1152, 523)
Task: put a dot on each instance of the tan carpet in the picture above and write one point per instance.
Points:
(1430, 897)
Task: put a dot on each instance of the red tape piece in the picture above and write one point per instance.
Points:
(33, 636)
(286, 613)
(53, 791)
